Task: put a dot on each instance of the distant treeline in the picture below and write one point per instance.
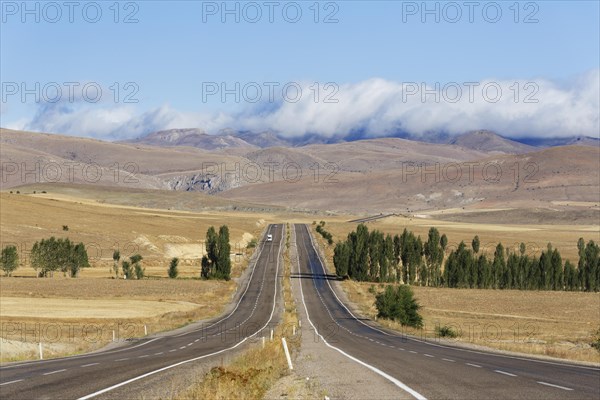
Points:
(375, 257)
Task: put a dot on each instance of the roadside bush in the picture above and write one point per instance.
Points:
(65, 227)
(596, 340)
(398, 304)
(252, 244)
(326, 235)
(445, 331)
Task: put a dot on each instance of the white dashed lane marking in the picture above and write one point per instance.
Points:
(447, 359)
(504, 372)
(122, 359)
(144, 356)
(428, 355)
(8, 383)
(554, 386)
(473, 365)
(158, 354)
(54, 372)
(89, 365)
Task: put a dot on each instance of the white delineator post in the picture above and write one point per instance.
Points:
(145, 330)
(41, 351)
(287, 354)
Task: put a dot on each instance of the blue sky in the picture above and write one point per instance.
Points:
(167, 58)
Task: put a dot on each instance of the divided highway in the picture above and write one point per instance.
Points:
(98, 374)
(426, 369)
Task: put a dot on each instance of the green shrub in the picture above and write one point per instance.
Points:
(398, 304)
(596, 340)
(252, 244)
(445, 331)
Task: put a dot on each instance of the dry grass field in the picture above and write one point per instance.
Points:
(75, 315)
(557, 324)
(544, 323)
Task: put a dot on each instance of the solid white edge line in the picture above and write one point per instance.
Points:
(554, 386)
(435, 344)
(390, 378)
(92, 395)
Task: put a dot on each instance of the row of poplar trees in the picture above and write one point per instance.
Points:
(373, 256)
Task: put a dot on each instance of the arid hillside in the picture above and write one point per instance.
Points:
(366, 176)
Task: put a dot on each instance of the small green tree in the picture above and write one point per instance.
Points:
(173, 272)
(341, 259)
(398, 304)
(223, 268)
(139, 271)
(116, 258)
(475, 244)
(205, 267)
(9, 260)
(127, 270)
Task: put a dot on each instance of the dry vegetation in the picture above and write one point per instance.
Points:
(557, 324)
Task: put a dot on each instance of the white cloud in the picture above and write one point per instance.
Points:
(374, 107)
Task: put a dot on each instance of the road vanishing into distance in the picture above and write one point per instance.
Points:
(423, 369)
(429, 370)
(100, 374)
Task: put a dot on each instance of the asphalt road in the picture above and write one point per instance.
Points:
(105, 373)
(426, 369)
